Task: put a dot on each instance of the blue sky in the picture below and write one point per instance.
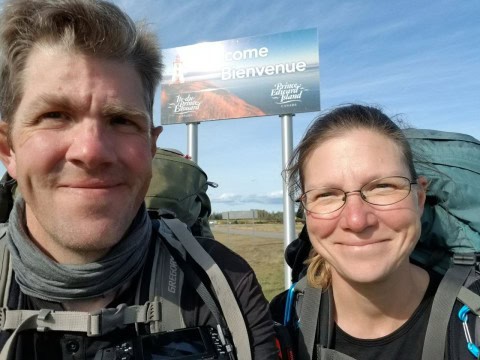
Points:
(417, 59)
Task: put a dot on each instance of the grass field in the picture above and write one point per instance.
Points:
(265, 255)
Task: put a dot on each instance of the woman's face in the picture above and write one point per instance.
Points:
(363, 243)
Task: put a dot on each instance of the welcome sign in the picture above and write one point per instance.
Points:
(256, 76)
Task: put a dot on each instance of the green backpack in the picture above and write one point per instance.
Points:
(451, 218)
(180, 186)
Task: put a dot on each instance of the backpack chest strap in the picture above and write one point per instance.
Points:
(92, 324)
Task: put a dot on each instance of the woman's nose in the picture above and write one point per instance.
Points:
(357, 215)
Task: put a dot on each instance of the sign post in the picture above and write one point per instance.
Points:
(192, 141)
(288, 205)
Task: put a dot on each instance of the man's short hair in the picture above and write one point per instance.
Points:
(91, 27)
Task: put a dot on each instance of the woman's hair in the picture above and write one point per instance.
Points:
(91, 27)
(334, 124)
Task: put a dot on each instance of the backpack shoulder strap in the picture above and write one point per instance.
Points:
(315, 321)
(442, 306)
(223, 291)
(170, 269)
(316, 324)
(5, 267)
(308, 304)
(166, 281)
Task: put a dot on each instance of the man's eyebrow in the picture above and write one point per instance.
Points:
(60, 102)
(65, 103)
(112, 110)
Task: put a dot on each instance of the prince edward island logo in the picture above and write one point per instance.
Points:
(287, 93)
(185, 104)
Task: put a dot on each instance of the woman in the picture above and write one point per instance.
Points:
(354, 174)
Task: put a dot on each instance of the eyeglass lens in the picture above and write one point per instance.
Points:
(385, 191)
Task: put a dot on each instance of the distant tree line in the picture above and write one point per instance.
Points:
(263, 215)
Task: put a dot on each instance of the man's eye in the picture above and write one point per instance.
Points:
(123, 121)
(119, 120)
(53, 118)
(53, 115)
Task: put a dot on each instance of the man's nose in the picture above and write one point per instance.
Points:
(91, 144)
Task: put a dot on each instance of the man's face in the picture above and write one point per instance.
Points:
(81, 151)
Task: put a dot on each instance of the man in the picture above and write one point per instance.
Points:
(77, 86)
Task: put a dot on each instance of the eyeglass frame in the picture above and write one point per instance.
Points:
(359, 191)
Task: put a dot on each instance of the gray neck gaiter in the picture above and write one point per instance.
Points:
(41, 277)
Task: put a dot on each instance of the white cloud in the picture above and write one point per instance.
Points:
(273, 198)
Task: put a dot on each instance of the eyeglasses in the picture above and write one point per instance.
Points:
(382, 192)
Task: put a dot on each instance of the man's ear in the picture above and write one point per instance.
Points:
(156, 131)
(7, 156)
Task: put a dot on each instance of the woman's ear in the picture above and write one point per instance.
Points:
(422, 186)
(7, 156)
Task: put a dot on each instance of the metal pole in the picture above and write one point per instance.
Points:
(288, 204)
(192, 141)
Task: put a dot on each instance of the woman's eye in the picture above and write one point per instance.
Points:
(322, 196)
(384, 186)
(388, 185)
